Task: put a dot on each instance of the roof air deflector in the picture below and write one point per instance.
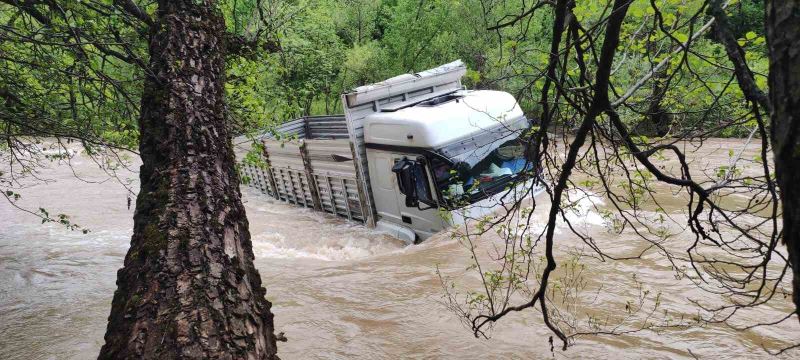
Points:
(441, 100)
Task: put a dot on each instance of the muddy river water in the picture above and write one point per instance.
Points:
(340, 291)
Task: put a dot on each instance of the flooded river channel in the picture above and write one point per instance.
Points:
(340, 291)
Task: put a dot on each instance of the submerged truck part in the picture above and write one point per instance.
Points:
(411, 156)
(310, 164)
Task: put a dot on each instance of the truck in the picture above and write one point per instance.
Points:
(410, 156)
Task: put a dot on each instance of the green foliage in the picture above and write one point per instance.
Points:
(54, 84)
(329, 46)
(747, 16)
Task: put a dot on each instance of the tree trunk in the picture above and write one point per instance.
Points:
(658, 120)
(783, 38)
(656, 113)
(188, 288)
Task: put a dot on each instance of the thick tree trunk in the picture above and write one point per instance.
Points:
(188, 288)
(658, 120)
(783, 38)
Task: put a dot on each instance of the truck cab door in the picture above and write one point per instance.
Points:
(416, 198)
(390, 201)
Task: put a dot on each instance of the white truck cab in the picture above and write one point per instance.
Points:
(447, 153)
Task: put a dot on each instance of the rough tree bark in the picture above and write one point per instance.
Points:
(188, 288)
(783, 39)
(658, 118)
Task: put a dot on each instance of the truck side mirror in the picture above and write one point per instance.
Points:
(406, 180)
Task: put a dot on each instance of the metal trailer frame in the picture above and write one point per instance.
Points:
(311, 164)
(320, 162)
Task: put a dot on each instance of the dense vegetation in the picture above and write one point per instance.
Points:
(331, 46)
(89, 84)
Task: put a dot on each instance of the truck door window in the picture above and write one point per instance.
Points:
(412, 181)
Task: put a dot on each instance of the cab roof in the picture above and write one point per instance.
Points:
(442, 120)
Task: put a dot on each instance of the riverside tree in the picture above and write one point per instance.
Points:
(783, 37)
(188, 288)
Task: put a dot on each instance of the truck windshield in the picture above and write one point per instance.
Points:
(482, 165)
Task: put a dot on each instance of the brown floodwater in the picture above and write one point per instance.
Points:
(339, 290)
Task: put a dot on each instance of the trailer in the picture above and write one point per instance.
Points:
(311, 165)
(406, 150)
